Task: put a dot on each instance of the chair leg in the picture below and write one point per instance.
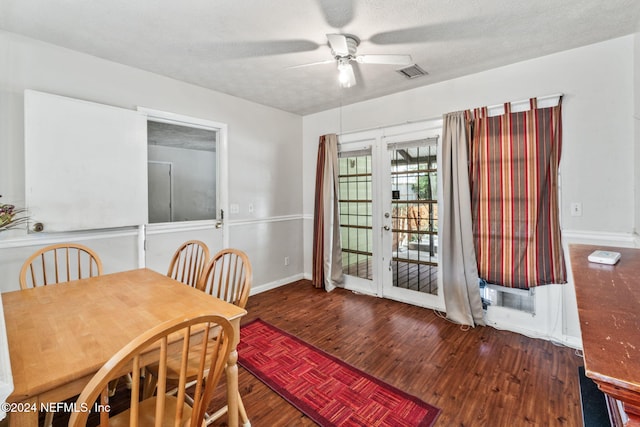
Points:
(112, 387)
(220, 412)
(48, 419)
(243, 413)
(149, 386)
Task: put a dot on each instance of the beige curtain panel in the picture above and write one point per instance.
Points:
(459, 269)
(327, 250)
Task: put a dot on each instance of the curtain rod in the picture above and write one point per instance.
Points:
(526, 101)
(490, 107)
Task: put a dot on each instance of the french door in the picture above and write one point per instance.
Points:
(388, 191)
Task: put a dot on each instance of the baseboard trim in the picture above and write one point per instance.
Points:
(573, 342)
(565, 340)
(601, 238)
(275, 284)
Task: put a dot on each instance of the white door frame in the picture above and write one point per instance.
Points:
(378, 141)
(222, 179)
(387, 289)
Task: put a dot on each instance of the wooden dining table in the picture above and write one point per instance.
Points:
(60, 335)
(608, 298)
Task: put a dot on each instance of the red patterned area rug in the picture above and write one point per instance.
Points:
(323, 387)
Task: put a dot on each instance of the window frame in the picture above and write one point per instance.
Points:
(222, 196)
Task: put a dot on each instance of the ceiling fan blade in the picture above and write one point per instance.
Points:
(384, 59)
(435, 32)
(337, 13)
(254, 49)
(338, 44)
(328, 61)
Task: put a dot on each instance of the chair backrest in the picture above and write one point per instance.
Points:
(58, 263)
(171, 338)
(228, 276)
(188, 262)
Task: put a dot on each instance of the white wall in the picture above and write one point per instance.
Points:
(636, 116)
(194, 181)
(597, 165)
(264, 152)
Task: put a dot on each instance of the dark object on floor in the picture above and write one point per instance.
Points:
(594, 405)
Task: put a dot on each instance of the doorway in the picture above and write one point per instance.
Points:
(188, 168)
(192, 153)
(160, 195)
(388, 195)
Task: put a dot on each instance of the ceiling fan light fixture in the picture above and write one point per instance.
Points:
(345, 73)
(343, 49)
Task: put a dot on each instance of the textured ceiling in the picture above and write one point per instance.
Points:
(243, 47)
(184, 137)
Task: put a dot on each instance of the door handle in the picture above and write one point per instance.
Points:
(386, 227)
(219, 222)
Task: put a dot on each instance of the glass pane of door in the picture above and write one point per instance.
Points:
(415, 217)
(410, 237)
(355, 194)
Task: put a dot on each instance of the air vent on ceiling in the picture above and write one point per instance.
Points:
(412, 71)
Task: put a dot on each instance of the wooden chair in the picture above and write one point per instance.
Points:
(228, 276)
(188, 262)
(59, 263)
(169, 338)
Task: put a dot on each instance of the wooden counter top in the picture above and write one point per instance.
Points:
(608, 298)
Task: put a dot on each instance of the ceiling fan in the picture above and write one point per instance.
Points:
(343, 48)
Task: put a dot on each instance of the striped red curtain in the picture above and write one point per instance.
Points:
(513, 172)
(317, 277)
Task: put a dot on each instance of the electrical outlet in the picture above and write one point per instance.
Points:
(286, 260)
(250, 207)
(576, 209)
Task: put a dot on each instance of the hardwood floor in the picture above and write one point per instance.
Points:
(478, 377)
(406, 275)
